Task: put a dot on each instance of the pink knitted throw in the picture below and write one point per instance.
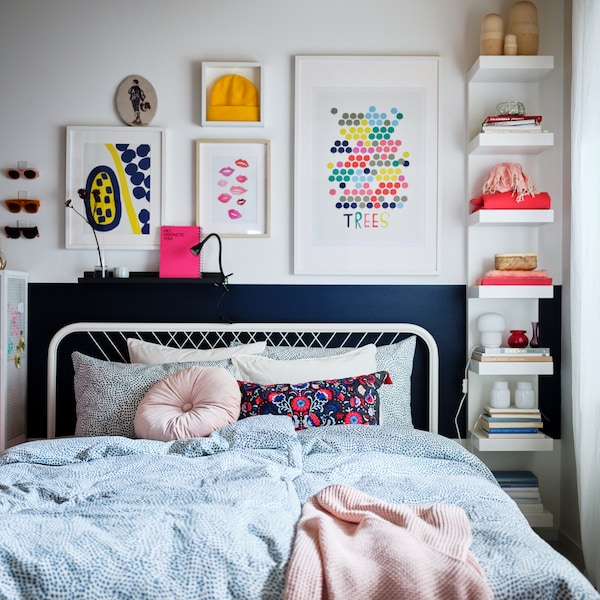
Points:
(509, 177)
(350, 545)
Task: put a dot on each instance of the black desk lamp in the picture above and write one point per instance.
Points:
(195, 250)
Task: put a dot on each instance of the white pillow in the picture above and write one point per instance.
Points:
(148, 353)
(269, 371)
(396, 359)
(191, 403)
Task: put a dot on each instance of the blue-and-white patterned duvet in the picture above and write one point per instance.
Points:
(109, 517)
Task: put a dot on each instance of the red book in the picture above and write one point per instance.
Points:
(508, 200)
(176, 260)
(513, 119)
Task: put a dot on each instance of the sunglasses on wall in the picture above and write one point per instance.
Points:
(16, 205)
(22, 173)
(15, 232)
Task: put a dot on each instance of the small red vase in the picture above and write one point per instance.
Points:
(517, 338)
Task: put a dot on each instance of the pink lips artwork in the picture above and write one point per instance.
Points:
(236, 190)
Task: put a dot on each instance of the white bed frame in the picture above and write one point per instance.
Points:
(110, 341)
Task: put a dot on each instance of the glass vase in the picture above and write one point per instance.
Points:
(524, 395)
(535, 335)
(517, 338)
(500, 395)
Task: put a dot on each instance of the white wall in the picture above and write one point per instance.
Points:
(62, 61)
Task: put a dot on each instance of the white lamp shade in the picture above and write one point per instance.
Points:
(491, 326)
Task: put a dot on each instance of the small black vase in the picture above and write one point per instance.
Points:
(535, 335)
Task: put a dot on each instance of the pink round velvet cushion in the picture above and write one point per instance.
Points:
(190, 403)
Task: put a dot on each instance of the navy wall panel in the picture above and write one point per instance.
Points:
(440, 309)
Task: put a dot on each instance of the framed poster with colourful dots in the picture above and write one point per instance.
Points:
(115, 184)
(366, 165)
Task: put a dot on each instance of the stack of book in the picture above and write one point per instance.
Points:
(523, 488)
(505, 354)
(511, 422)
(512, 124)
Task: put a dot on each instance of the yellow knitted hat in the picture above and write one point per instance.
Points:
(233, 98)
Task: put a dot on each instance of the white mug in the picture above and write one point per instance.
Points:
(121, 272)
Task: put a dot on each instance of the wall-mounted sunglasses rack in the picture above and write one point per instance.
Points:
(22, 203)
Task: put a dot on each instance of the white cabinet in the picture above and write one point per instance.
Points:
(493, 79)
(13, 363)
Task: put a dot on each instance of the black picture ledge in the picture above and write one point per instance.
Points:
(148, 277)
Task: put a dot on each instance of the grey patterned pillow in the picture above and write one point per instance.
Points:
(107, 394)
(396, 359)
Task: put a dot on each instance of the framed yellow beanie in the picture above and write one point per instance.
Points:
(233, 98)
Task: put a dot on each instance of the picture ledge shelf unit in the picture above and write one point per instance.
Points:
(490, 80)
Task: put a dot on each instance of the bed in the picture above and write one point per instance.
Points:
(348, 498)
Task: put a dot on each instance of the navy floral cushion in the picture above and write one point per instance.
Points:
(353, 400)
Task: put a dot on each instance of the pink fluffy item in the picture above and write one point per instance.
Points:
(351, 545)
(509, 177)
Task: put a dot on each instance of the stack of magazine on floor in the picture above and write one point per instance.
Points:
(511, 422)
(523, 488)
(485, 354)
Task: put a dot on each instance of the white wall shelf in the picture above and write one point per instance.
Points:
(505, 69)
(510, 143)
(545, 519)
(510, 291)
(518, 216)
(500, 368)
(484, 444)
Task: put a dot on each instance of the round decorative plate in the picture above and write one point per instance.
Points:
(136, 100)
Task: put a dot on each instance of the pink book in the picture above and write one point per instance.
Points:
(515, 281)
(176, 260)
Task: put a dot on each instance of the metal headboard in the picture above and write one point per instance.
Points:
(109, 341)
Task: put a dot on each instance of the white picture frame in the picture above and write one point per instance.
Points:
(233, 187)
(343, 222)
(126, 166)
(212, 72)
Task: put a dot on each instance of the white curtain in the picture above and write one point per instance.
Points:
(585, 273)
